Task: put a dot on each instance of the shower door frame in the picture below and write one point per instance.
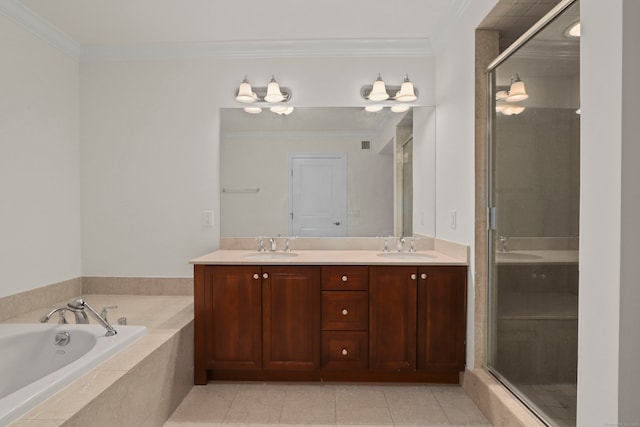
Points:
(492, 215)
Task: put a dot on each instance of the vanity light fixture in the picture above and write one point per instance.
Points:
(517, 91)
(393, 95)
(509, 110)
(283, 110)
(573, 30)
(272, 94)
(399, 108)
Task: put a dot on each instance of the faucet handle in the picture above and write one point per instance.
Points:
(104, 311)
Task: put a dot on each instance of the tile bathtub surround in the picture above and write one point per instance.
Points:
(141, 385)
(24, 302)
(325, 243)
(326, 404)
(137, 285)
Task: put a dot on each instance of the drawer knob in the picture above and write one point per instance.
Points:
(423, 276)
(344, 352)
(345, 278)
(256, 276)
(265, 275)
(345, 311)
(414, 277)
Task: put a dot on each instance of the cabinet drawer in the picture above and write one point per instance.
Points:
(345, 350)
(345, 277)
(345, 310)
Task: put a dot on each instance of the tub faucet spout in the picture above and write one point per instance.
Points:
(80, 305)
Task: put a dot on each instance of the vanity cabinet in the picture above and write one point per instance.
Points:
(392, 312)
(345, 318)
(338, 322)
(252, 319)
(442, 308)
(291, 318)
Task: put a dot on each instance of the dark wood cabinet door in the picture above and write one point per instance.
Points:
(442, 318)
(392, 318)
(234, 317)
(291, 313)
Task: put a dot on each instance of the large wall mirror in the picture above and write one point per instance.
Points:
(327, 171)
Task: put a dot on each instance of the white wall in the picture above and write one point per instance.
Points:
(455, 136)
(39, 162)
(149, 134)
(609, 347)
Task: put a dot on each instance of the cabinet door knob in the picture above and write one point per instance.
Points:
(414, 277)
(345, 311)
(265, 275)
(344, 352)
(345, 278)
(423, 276)
(256, 276)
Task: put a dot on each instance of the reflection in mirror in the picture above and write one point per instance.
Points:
(327, 172)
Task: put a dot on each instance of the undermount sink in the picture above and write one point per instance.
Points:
(271, 255)
(404, 255)
(515, 256)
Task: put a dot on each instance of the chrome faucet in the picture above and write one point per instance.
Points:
(273, 244)
(60, 310)
(80, 315)
(80, 305)
(503, 243)
(400, 244)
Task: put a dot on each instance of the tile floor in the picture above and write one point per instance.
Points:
(326, 404)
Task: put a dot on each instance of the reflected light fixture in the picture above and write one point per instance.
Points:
(509, 110)
(395, 96)
(399, 108)
(283, 110)
(253, 110)
(373, 108)
(517, 91)
(272, 94)
(573, 30)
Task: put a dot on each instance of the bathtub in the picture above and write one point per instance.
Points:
(37, 360)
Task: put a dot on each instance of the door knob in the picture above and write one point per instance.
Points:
(265, 275)
(414, 277)
(256, 276)
(337, 223)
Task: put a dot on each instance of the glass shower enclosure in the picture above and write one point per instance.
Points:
(534, 210)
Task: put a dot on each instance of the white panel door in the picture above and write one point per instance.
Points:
(318, 195)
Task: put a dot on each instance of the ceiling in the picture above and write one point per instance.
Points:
(118, 22)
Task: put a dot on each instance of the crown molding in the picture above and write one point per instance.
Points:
(328, 48)
(296, 135)
(415, 47)
(23, 16)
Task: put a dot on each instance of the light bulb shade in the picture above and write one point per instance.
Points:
(374, 108)
(400, 108)
(502, 95)
(245, 93)
(407, 92)
(379, 90)
(517, 91)
(512, 110)
(253, 110)
(273, 92)
(282, 110)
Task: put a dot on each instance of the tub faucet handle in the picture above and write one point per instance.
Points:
(105, 310)
(62, 319)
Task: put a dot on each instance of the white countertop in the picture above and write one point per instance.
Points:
(326, 257)
(537, 257)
